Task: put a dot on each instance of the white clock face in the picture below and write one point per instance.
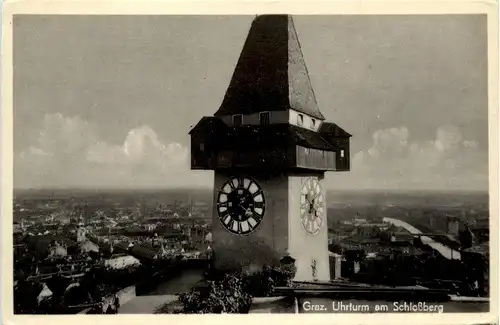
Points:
(241, 205)
(312, 205)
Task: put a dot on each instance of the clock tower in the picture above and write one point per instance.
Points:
(270, 146)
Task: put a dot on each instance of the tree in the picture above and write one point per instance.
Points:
(25, 297)
(466, 237)
(385, 237)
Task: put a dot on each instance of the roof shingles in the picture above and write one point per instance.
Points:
(271, 73)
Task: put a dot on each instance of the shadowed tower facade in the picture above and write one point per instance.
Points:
(270, 146)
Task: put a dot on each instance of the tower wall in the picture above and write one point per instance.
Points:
(279, 233)
(267, 243)
(303, 246)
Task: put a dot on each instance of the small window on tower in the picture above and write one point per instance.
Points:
(202, 147)
(341, 153)
(237, 120)
(300, 119)
(264, 118)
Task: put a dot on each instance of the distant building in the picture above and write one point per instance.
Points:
(143, 209)
(122, 262)
(87, 246)
(57, 250)
(187, 231)
(45, 294)
(86, 214)
(81, 234)
(147, 251)
(453, 226)
(335, 266)
(123, 246)
(476, 260)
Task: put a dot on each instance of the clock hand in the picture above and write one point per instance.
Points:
(246, 210)
(311, 203)
(311, 206)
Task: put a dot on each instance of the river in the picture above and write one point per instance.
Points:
(444, 250)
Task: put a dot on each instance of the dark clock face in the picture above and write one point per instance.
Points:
(241, 205)
(312, 205)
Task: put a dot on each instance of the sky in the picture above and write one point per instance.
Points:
(108, 101)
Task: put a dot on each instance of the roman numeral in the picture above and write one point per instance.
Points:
(227, 188)
(319, 221)
(257, 216)
(306, 224)
(236, 225)
(253, 188)
(223, 214)
(257, 193)
(258, 205)
(245, 226)
(252, 223)
(249, 183)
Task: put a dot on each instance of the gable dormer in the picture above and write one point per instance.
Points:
(289, 116)
(305, 121)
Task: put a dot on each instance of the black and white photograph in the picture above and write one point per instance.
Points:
(269, 163)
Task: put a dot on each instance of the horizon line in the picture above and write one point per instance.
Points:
(211, 188)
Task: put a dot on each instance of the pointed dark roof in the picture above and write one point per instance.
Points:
(271, 74)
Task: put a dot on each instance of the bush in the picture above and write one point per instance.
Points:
(25, 297)
(284, 275)
(233, 293)
(259, 284)
(222, 296)
(262, 284)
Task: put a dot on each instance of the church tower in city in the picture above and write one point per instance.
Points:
(270, 146)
